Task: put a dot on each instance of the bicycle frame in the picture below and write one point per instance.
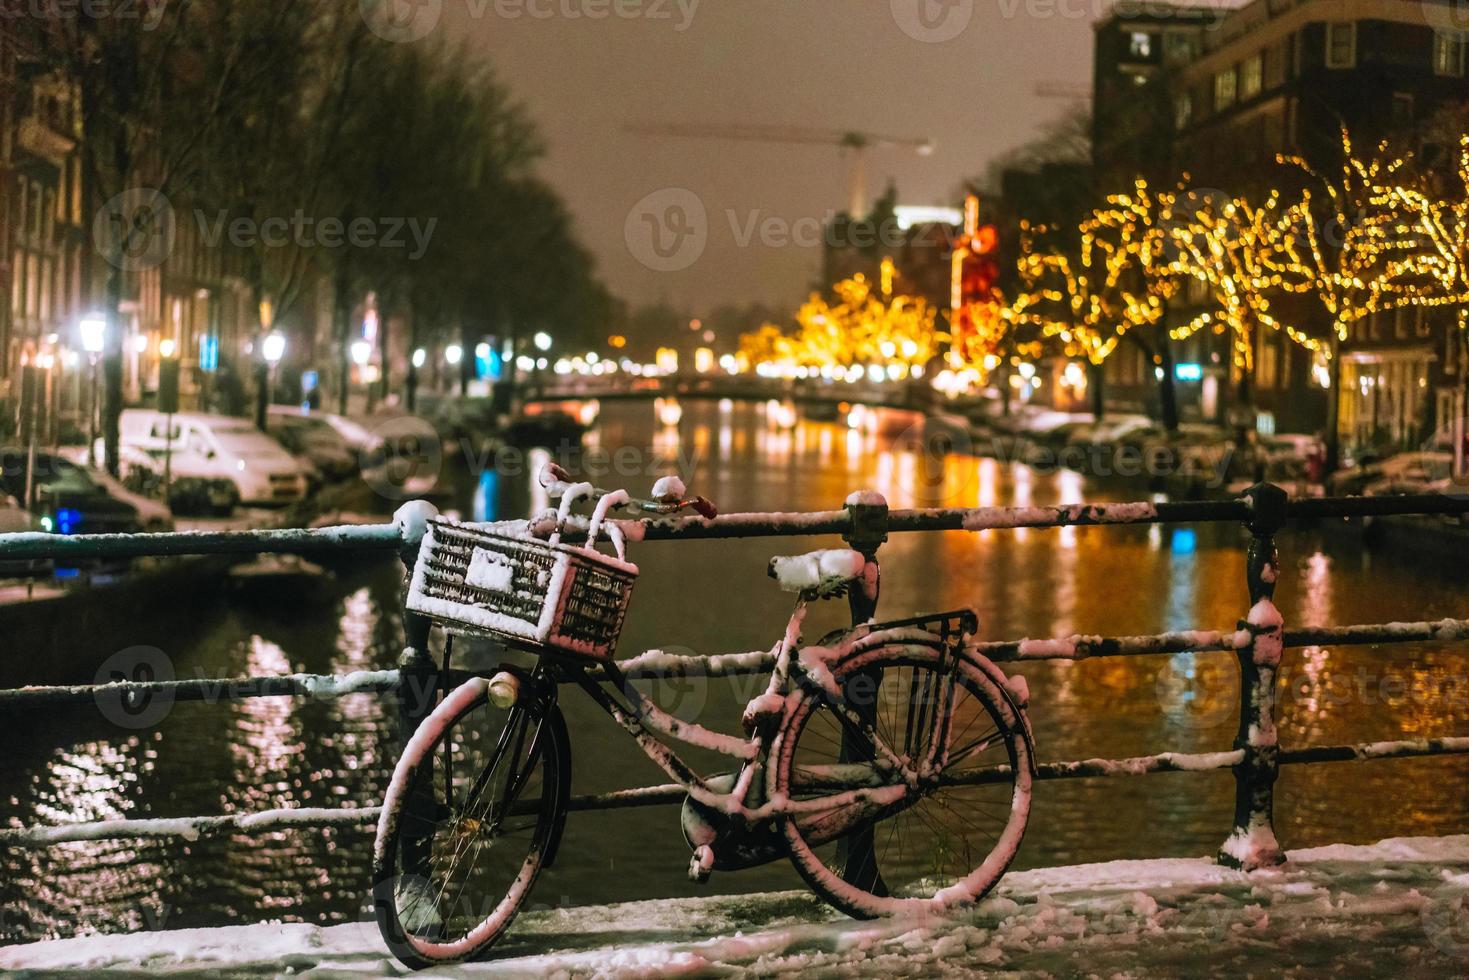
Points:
(642, 718)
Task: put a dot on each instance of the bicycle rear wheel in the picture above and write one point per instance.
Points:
(473, 812)
(945, 844)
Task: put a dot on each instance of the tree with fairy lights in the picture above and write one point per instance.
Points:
(860, 325)
(1348, 242)
(1239, 251)
(1436, 275)
(1134, 223)
(1085, 305)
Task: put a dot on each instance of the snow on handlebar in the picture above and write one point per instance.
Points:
(668, 494)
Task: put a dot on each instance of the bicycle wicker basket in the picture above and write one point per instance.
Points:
(478, 581)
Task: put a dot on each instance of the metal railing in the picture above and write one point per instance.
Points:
(865, 522)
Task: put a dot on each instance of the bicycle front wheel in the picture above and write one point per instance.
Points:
(473, 811)
(942, 845)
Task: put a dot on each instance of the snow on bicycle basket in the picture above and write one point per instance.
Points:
(479, 580)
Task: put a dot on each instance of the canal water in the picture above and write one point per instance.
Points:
(707, 597)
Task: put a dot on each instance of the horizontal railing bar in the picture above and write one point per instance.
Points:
(295, 540)
(656, 664)
(321, 686)
(188, 828)
(671, 793)
(1405, 748)
(35, 545)
(1071, 515)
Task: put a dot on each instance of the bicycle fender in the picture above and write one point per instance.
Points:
(994, 673)
(548, 691)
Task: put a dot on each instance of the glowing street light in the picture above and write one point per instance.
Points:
(361, 353)
(273, 348)
(453, 353)
(542, 341)
(93, 328)
(420, 357)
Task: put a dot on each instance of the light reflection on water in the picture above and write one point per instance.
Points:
(715, 597)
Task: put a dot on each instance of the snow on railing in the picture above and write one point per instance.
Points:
(865, 523)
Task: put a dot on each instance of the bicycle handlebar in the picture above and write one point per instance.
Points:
(556, 482)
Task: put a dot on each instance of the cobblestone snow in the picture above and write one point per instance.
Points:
(1396, 908)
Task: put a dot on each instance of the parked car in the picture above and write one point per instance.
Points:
(67, 500)
(313, 439)
(215, 447)
(1418, 468)
(153, 515)
(15, 519)
(360, 437)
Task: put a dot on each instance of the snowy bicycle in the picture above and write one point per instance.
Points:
(889, 762)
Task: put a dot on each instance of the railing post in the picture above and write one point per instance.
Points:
(1252, 844)
(418, 683)
(869, 513)
(869, 529)
(418, 675)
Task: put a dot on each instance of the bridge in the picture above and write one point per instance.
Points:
(913, 395)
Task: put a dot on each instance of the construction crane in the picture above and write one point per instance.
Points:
(853, 143)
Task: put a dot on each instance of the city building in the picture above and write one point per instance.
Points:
(1216, 94)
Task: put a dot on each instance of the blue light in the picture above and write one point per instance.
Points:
(1185, 541)
(1188, 372)
(487, 495)
(65, 573)
(209, 353)
(68, 520)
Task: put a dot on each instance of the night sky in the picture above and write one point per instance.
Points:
(825, 64)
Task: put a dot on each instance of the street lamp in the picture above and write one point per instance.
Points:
(453, 354)
(420, 357)
(542, 341)
(361, 353)
(93, 328)
(273, 348)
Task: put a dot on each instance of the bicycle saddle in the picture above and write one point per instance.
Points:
(824, 573)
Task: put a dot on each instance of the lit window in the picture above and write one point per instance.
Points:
(1448, 55)
(1183, 110)
(1251, 77)
(1141, 45)
(1224, 89)
(1341, 45)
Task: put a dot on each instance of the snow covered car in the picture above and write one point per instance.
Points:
(1405, 468)
(314, 440)
(216, 447)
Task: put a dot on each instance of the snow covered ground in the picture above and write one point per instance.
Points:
(1399, 908)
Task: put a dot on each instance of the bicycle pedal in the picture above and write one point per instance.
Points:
(701, 866)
